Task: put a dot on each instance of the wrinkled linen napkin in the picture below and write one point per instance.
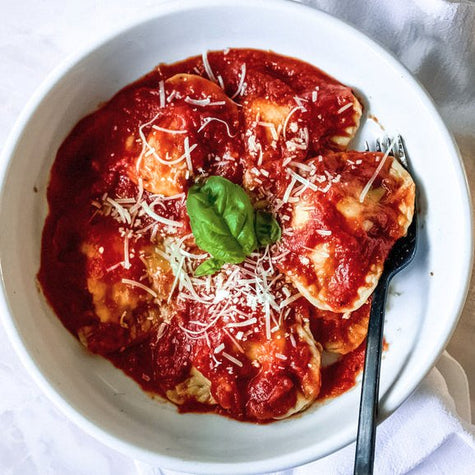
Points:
(428, 434)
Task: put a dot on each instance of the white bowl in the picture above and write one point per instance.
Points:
(420, 318)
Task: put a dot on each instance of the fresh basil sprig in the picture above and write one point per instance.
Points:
(225, 224)
(267, 228)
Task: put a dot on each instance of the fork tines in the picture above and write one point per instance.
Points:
(398, 149)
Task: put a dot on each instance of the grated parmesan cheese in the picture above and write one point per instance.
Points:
(241, 85)
(169, 131)
(161, 92)
(207, 120)
(286, 121)
(134, 283)
(203, 102)
(232, 359)
(344, 108)
(376, 172)
(207, 67)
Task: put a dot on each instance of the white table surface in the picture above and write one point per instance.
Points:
(427, 36)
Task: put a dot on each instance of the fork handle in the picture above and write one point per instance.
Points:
(365, 441)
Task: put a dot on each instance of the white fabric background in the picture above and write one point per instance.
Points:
(435, 39)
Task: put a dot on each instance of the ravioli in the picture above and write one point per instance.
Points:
(125, 310)
(341, 333)
(119, 260)
(272, 377)
(341, 232)
(276, 131)
(332, 110)
(286, 121)
(173, 149)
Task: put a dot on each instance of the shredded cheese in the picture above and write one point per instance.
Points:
(288, 190)
(148, 150)
(219, 348)
(344, 108)
(204, 102)
(246, 323)
(134, 283)
(236, 343)
(368, 185)
(271, 128)
(286, 121)
(161, 92)
(220, 81)
(232, 359)
(207, 67)
(123, 213)
(177, 277)
(126, 263)
(187, 154)
(303, 180)
(289, 300)
(241, 85)
(299, 101)
(159, 219)
(169, 131)
(207, 120)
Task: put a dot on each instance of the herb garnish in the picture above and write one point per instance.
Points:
(225, 224)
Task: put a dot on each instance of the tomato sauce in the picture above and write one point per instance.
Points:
(92, 264)
(340, 376)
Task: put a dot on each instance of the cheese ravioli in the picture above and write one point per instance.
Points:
(342, 231)
(119, 259)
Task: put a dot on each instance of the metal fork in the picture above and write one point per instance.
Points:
(399, 257)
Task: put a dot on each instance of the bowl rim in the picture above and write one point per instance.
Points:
(6, 314)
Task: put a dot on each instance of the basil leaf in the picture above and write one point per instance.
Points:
(222, 219)
(225, 224)
(211, 266)
(267, 228)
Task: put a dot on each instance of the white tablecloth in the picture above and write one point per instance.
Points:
(433, 38)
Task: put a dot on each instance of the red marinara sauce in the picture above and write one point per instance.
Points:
(99, 238)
